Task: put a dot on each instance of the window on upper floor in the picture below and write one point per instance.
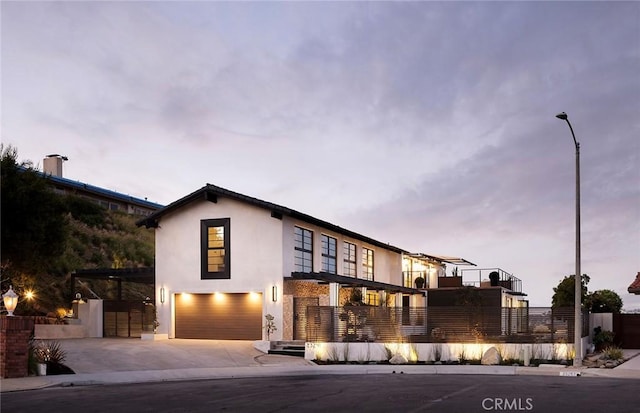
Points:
(303, 253)
(215, 245)
(329, 254)
(367, 264)
(349, 259)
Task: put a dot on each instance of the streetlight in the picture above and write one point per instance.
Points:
(10, 299)
(577, 330)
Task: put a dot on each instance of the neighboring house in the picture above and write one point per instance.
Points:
(115, 201)
(634, 288)
(225, 260)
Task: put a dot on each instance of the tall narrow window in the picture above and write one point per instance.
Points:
(215, 245)
(328, 254)
(303, 254)
(367, 264)
(349, 259)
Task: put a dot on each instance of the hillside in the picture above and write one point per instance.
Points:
(115, 242)
(46, 236)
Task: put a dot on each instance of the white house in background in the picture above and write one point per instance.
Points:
(225, 260)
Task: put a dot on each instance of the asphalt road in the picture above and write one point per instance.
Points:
(344, 393)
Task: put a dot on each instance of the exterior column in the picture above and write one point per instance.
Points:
(398, 300)
(334, 294)
(14, 346)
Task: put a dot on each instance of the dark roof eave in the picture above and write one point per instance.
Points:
(209, 191)
(354, 282)
(144, 275)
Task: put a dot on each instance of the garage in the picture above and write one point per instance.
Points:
(219, 316)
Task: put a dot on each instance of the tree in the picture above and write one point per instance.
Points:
(604, 301)
(34, 224)
(564, 293)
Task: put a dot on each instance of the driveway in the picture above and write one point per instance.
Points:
(97, 355)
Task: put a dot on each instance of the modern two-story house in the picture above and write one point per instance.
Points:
(225, 260)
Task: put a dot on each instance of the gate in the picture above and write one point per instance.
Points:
(300, 305)
(627, 330)
(127, 318)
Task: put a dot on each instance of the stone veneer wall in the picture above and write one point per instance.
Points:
(298, 288)
(14, 346)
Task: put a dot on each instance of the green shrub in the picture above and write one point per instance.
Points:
(613, 353)
(602, 338)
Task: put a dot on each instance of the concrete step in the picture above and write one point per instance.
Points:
(288, 348)
(288, 352)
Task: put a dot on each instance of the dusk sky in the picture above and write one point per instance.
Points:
(427, 125)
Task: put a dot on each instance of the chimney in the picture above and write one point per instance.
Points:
(53, 164)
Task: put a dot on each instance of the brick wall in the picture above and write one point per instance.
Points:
(14, 346)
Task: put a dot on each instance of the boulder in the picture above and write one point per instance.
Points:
(491, 357)
(398, 359)
(594, 357)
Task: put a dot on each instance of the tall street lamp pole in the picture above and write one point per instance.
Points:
(577, 330)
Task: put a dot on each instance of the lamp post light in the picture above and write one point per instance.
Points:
(10, 299)
(577, 330)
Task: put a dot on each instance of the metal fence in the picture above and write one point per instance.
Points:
(441, 324)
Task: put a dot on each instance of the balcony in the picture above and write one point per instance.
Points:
(490, 277)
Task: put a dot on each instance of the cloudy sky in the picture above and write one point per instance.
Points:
(427, 125)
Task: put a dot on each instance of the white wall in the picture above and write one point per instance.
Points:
(255, 256)
(91, 315)
(602, 320)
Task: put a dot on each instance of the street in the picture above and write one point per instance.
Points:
(342, 393)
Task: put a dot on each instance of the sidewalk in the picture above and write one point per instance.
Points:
(239, 360)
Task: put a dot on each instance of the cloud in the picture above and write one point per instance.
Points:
(426, 124)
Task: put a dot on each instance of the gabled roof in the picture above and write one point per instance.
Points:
(211, 193)
(634, 288)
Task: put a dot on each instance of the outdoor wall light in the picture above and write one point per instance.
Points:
(162, 295)
(78, 299)
(274, 293)
(10, 299)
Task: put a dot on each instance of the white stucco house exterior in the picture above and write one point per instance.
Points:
(225, 260)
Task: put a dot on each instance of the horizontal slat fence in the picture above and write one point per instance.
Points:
(441, 324)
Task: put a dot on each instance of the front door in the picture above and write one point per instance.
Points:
(300, 305)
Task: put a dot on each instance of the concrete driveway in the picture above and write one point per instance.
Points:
(97, 355)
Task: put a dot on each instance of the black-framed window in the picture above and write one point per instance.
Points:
(303, 253)
(367, 264)
(329, 254)
(372, 298)
(215, 246)
(349, 259)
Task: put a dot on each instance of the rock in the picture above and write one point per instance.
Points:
(594, 357)
(398, 359)
(491, 357)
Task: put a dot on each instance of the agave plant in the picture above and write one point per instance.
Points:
(48, 351)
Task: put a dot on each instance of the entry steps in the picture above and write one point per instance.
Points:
(288, 348)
